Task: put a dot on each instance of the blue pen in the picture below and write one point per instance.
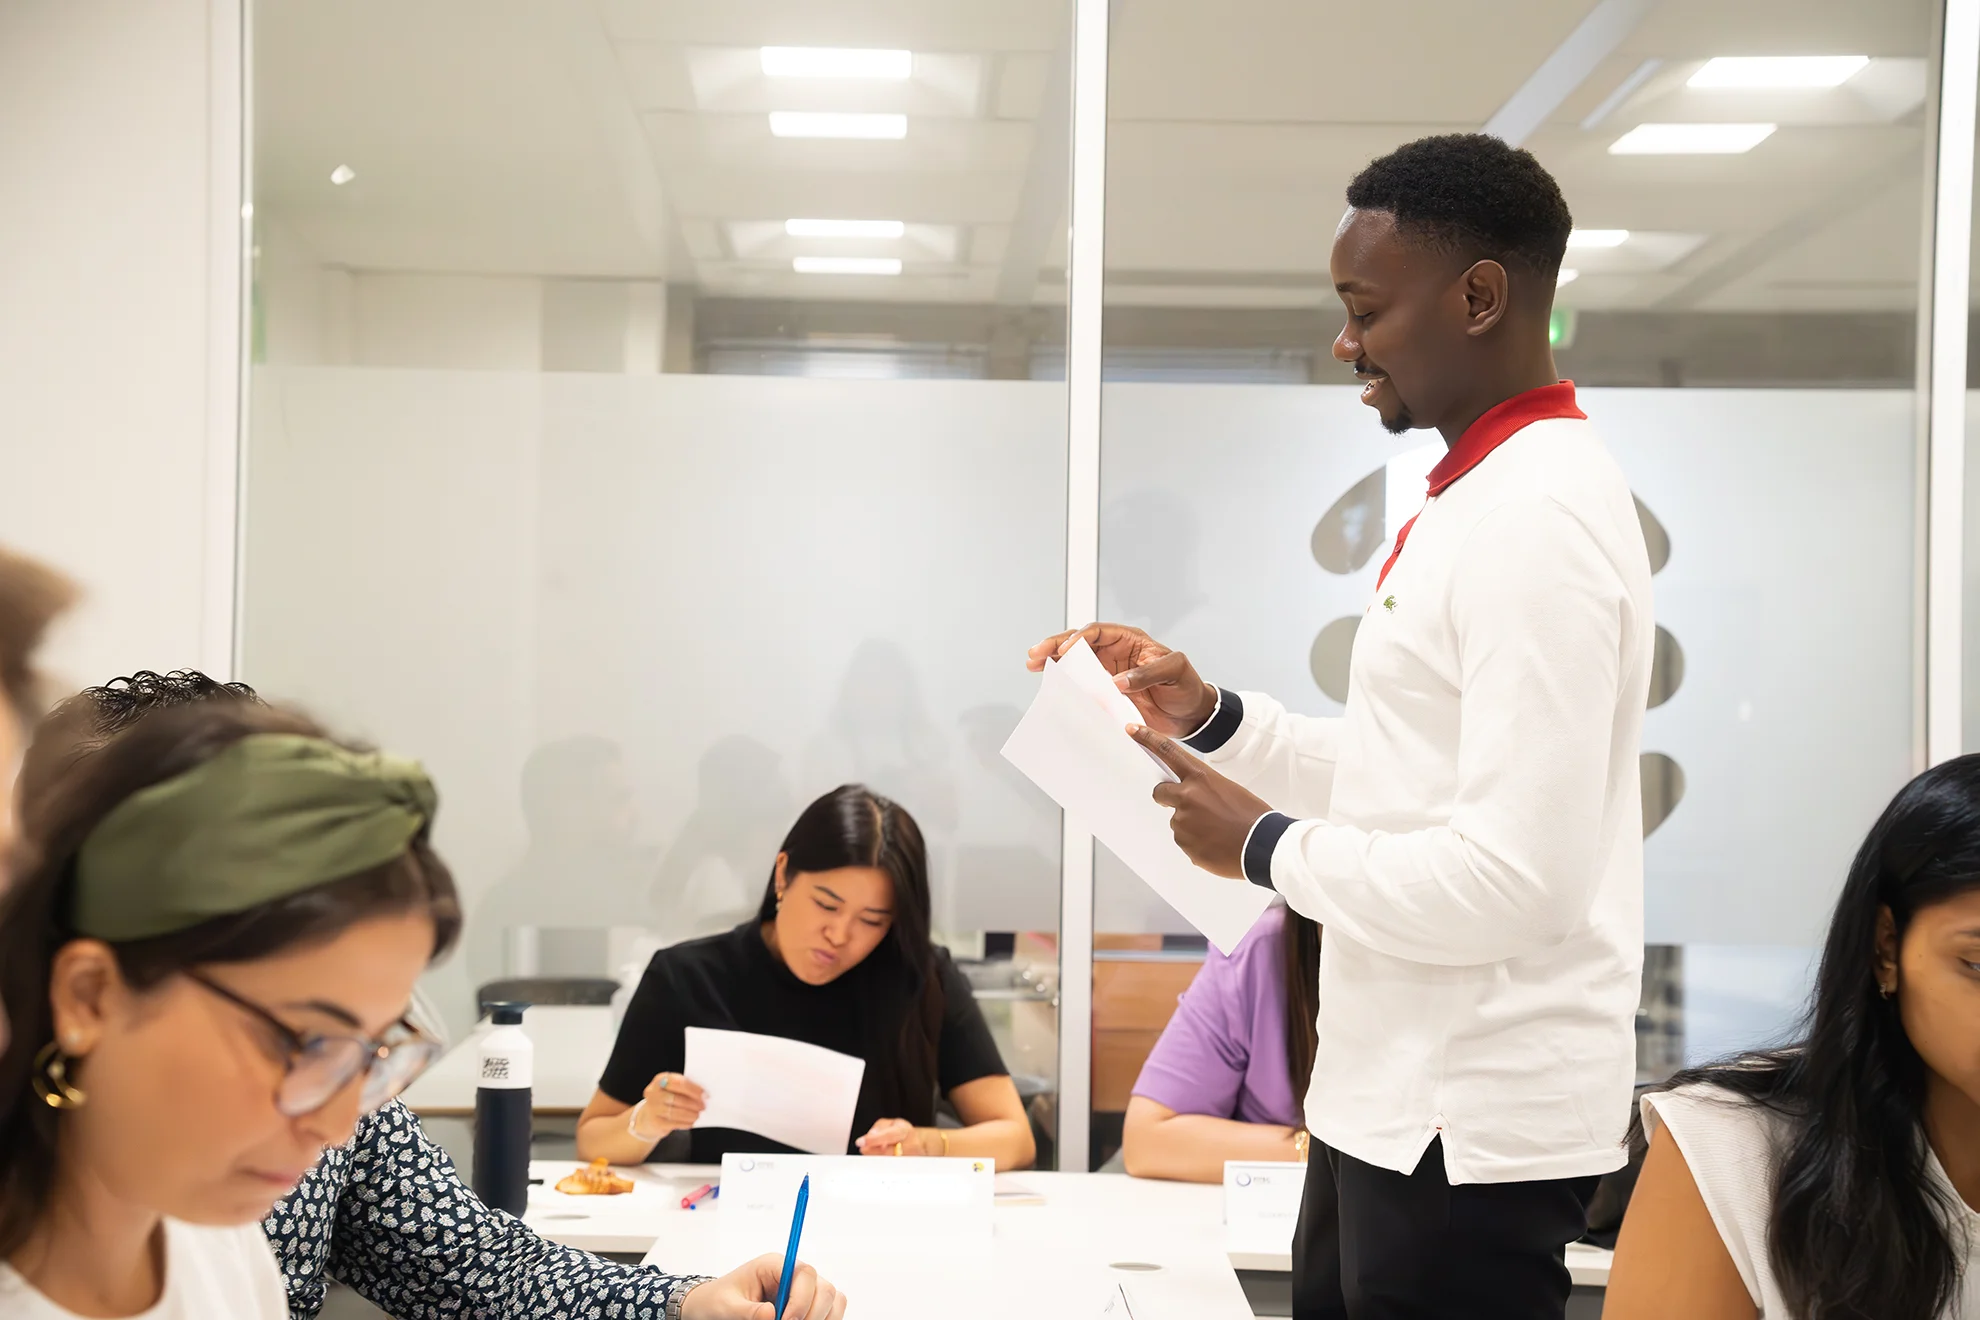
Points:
(790, 1252)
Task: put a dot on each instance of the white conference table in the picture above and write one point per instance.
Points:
(1165, 1240)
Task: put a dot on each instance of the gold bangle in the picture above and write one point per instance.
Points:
(945, 1142)
(1302, 1139)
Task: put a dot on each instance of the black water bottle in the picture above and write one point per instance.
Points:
(501, 1112)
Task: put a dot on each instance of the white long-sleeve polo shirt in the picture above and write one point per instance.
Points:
(1469, 831)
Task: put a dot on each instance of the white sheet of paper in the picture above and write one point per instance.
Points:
(1261, 1205)
(1073, 744)
(801, 1095)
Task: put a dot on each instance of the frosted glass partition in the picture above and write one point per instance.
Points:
(635, 623)
(1787, 520)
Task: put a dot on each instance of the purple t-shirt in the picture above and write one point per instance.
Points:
(1224, 1051)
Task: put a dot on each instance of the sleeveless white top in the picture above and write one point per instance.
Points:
(1733, 1147)
(210, 1274)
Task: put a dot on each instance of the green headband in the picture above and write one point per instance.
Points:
(271, 816)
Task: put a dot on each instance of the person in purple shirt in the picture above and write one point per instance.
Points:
(1227, 1079)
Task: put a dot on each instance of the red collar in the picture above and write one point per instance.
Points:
(1498, 425)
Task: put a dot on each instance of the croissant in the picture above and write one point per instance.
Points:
(597, 1180)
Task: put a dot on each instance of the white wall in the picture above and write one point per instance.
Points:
(120, 194)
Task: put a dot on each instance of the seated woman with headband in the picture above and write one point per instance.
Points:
(386, 1213)
(838, 955)
(206, 971)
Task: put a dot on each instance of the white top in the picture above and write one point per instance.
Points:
(1472, 832)
(1732, 1147)
(210, 1274)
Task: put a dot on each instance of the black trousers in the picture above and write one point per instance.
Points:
(1374, 1244)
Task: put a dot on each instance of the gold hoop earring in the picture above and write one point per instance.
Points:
(51, 1080)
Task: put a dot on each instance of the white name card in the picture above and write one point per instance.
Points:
(860, 1207)
(1261, 1210)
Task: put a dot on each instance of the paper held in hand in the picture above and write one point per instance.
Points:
(799, 1094)
(1073, 743)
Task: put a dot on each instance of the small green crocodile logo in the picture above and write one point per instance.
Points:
(1389, 604)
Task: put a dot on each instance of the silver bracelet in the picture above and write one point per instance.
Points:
(679, 1299)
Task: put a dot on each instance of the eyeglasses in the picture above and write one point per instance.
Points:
(318, 1067)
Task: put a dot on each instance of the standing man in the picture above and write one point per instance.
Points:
(1469, 830)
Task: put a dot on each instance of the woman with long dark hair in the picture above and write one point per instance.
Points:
(1228, 1077)
(1835, 1179)
(838, 955)
(207, 965)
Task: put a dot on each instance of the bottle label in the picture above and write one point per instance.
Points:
(505, 1071)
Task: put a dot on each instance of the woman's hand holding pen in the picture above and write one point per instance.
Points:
(897, 1136)
(750, 1293)
(671, 1102)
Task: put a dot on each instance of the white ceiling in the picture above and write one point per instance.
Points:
(629, 138)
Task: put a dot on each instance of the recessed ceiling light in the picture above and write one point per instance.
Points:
(1690, 139)
(802, 124)
(1568, 275)
(1598, 238)
(1776, 71)
(844, 228)
(342, 175)
(835, 62)
(846, 265)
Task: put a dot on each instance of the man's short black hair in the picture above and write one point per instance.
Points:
(1472, 196)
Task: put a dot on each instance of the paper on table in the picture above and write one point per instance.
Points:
(798, 1094)
(1072, 743)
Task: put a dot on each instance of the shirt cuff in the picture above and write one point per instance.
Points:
(1265, 834)
(1222, 725)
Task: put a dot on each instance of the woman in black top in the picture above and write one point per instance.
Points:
(838, 955)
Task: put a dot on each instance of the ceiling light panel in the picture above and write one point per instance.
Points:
(1598, 238)
(1690, 139)
(845, 228)
(836, 62)
(846, 265)
(1778, 71)
(1567, 276)
(803, 124)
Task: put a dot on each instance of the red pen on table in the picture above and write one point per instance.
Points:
(706, 1191)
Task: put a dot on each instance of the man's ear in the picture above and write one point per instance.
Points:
(1487, 292)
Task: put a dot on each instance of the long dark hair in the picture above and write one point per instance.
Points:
(34, 917)
(854, 826)
(1299, 947)
(1857, 1227)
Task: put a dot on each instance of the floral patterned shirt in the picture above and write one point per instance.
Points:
(388, 1216)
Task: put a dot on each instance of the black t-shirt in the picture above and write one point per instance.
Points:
(733, 982)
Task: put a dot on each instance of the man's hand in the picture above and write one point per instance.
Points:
(1214, 815)
(1163, 685)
